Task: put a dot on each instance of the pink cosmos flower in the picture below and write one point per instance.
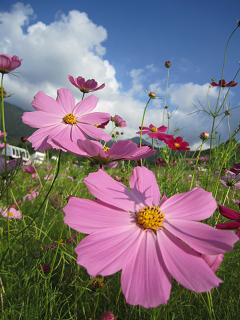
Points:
(11, 213)
(11, 164)
(149, 239)
(120, 150)
(108, 315)
(64, 119)
(30, 169)
(85, 86)
(31, 196)
(156, 133)
(9, 63)
(234, 223)
(119, 121)
(231, 180)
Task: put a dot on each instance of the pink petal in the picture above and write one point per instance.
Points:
(88, 216)
(42, 102)
(91, 148)
(105, 252)
(143, 183)
(196, 204)
(39, 138)
(40, 119)
(94, 118)
(122, 149)
(145, 280)
(66, 100)
(186, 265)
(94, 132)
(110, 191)
(141, 153)
(86, 105)
(214, 261)
(201, 237)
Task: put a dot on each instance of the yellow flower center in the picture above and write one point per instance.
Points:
(177, 145)
(70, 119)
(154, 129)
(10, 214)
(105, 148)
(150, 218)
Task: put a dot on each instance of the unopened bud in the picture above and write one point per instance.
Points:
(204, 135)
(152, 95)
(168, 64)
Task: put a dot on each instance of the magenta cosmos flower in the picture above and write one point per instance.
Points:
(234, 216)
(121, 150)
(9, 63)
(151, 240)
(85, 86)
(63, 119)
(156, 133)
(119, 121)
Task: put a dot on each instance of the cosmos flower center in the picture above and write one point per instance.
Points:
(177, 145)
(10, 214)
(150, 218)
(105, 148)
(70, 119)
(154, 129)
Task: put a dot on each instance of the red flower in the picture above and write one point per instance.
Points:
(222, 83)
(178, 144)
(234, 216)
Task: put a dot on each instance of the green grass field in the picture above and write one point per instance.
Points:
(40, 278)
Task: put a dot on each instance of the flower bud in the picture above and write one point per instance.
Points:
(168, 64)
(204, 135)
(152, 95)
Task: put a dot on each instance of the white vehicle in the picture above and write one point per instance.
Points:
(38, 157)
(16, 152)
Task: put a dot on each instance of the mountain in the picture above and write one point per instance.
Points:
(14, 126)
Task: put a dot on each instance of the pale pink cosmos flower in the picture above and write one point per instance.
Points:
(85, 86)
(9, 63)
(231, 180)
(11, 213)
(64, 119)
(94, 150)
(31, 196)
(30, 169)
(150, 239)
(156, 132)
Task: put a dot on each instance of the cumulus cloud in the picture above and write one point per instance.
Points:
(73, 44)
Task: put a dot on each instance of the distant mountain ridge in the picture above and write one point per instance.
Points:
(14, 126)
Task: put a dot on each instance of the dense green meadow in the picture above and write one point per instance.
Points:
(40, 278)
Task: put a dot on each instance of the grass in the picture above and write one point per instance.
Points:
(40, 278)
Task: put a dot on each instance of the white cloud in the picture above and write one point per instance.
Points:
(73, 44)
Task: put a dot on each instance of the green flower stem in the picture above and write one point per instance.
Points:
(3, 125)
(198, 156)
(143, 118)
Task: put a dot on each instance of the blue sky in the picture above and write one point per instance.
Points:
(190, 33)
(124, 44)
